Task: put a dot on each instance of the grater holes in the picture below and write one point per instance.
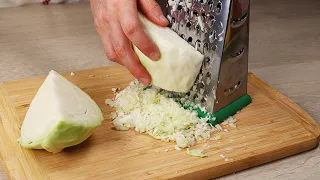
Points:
(212, 17)
(207, 60)
(204, 15)
(218, 8)
(203, 100)
(212, 20)
(188, 11)
(179, 7)
(190, 39)
(213, 36)
(195, 96)
(188, 24)
(208, 75)
(195, 12)
(208, 78)
(205, 47)
(198, 44)
(182, 36)
(201, 85)
(233, 89)
(173, 20)
(215, 48)
(198, 28)
(206, 65)
(211, 5)
(201, 71)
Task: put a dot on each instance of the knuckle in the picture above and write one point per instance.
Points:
(146, 46)
(111, 56)
(131, 28)
(106, 18)
(120, 51)
(153, 5)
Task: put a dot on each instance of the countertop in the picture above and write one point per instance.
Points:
(284, 52)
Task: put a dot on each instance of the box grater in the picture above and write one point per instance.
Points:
(219, 29)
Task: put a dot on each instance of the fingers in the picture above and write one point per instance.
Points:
(152, 11)
(108, 48)
(130, 23)
(124, 53)
(118, 25)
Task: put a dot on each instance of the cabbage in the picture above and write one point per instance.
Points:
(150, 111)
(196, 153)
(179, 64)
(59, 116)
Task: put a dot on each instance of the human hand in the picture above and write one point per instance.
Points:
(119, 27)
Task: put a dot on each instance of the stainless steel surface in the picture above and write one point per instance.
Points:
(220, 30)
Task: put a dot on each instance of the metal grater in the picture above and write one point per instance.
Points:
(219, 29)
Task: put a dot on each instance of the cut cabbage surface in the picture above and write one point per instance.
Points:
(60, 115)
(151, 111)
(180, 63)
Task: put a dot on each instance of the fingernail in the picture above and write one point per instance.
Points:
(163, 19)
(155, 56)
(144, 81)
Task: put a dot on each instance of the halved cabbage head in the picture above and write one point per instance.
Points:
(59, 116)
(180, 63)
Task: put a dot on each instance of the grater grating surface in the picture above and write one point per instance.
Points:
(219, 30)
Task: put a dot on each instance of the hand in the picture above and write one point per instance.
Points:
(118, 25)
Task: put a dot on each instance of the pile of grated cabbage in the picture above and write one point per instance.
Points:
(151, 111)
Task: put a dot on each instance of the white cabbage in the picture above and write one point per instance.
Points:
(180, 63)
(60, 115)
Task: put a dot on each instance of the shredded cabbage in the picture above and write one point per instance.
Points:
(151, 111)
(196, 152)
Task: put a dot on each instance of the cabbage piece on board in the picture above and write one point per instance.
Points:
(180, 63)
(59, 116)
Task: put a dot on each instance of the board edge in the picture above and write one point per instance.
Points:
(296, 111)
(250, 162)
(16, 161)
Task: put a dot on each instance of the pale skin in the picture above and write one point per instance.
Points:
(119, 27)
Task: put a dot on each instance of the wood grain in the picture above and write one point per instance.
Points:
(21, 163)
(270, 128)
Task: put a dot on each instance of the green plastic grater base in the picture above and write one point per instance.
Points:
(225, 112)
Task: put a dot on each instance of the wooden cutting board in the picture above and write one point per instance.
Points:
(270, 128)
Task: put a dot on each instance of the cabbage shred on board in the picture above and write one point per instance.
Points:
(151, 111)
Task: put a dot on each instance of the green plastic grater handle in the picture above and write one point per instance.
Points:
(225, 112)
